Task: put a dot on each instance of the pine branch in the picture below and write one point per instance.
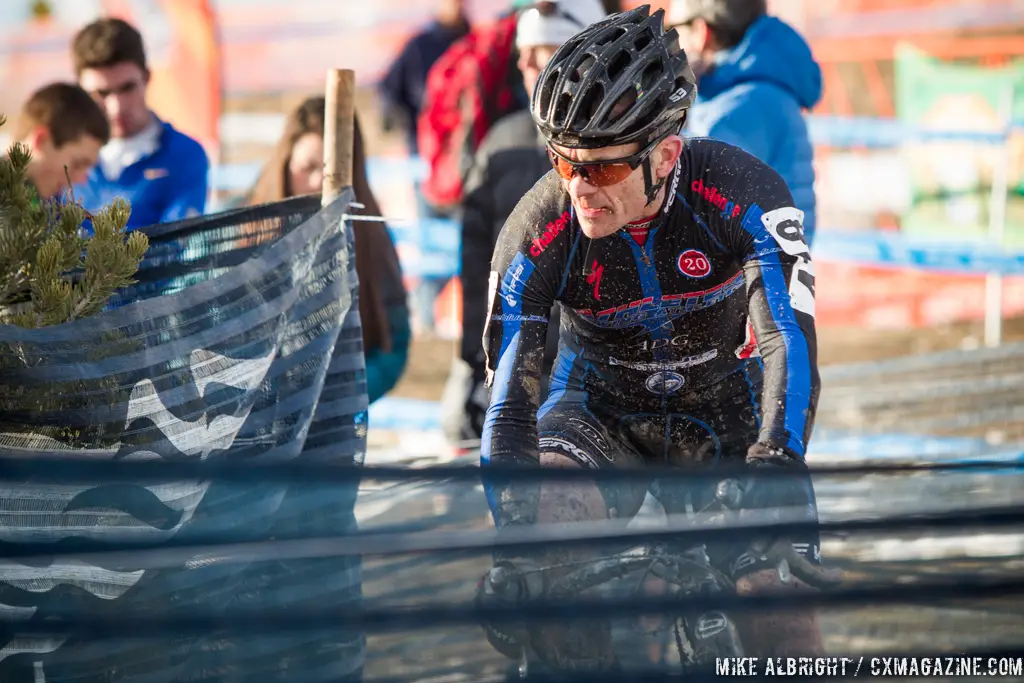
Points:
(41, 248)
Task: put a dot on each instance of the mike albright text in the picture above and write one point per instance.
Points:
(873, 667)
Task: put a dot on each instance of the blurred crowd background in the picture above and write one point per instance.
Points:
(190, 107)
(914, 138)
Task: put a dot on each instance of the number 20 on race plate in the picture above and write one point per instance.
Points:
(872, 667)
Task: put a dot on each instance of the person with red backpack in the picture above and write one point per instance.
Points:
(510, 160)
(470, 87)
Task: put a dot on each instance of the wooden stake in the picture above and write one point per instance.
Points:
(339, 122)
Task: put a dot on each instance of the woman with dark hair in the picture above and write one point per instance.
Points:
(295, 168)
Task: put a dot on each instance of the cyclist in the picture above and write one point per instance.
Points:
(687, 330)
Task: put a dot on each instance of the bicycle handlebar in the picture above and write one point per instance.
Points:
(778, 551)
(728, 501)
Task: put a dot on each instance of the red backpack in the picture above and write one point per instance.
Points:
(467, 90)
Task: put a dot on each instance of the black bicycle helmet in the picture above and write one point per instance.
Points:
(621, 80)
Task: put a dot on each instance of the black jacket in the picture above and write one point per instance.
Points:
(509, 162)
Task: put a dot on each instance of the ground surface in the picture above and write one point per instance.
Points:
(446, 654)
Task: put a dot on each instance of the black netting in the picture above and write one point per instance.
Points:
(241, 342)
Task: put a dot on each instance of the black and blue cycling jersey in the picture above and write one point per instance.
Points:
(708, 310)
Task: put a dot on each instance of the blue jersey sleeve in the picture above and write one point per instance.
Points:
(779, 277)
(768, 239)
(525, 270)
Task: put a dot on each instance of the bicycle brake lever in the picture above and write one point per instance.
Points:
(729, 494)
(501, 577)
(817, 576)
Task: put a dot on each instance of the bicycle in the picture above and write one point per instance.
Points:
(698, 638)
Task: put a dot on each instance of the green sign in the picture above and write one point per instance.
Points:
(952, 179)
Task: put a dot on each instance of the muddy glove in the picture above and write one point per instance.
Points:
(774, 495)
(767, 500)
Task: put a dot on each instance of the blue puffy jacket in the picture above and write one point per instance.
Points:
(752, 98)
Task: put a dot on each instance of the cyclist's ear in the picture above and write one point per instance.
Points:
(665, 156)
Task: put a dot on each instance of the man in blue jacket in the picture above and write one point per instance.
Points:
(159, 170)
(756, 75)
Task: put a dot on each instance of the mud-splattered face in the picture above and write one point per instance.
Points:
(603, 209)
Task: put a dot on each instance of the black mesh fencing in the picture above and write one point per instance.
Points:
(240, 343)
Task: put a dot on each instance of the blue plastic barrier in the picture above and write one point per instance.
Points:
(237, 178)
(892, 249)
(847, 131)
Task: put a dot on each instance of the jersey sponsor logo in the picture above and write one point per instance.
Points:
(786, 225)
(655, 344)
(710, 625)
(728, 208)
(515, 279)
(594, 278)
(513, 318)
(672, 188)
(665, 307)
(694, 263)
(801, 287)
(687, 362)
(665, 383)
(549, 444)
(553, 230)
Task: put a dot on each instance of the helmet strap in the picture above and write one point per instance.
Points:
(650, 187)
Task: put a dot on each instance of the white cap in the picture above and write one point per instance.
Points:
(533, 28)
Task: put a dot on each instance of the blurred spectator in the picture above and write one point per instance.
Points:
(63, 128)
(468, 88)
(509, 161)
(296, 167)
(406, 79)
(756, 75)
(160, 171)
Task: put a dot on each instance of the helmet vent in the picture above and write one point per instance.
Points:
(584, 66)
(609, 37)
(561, 110)
(594, 100)
(622, 106)
(619, 64)
(651, 75)
(547, 89)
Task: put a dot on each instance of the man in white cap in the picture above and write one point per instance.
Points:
(509, 161)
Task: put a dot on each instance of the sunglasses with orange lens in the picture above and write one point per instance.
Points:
(600, 173)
